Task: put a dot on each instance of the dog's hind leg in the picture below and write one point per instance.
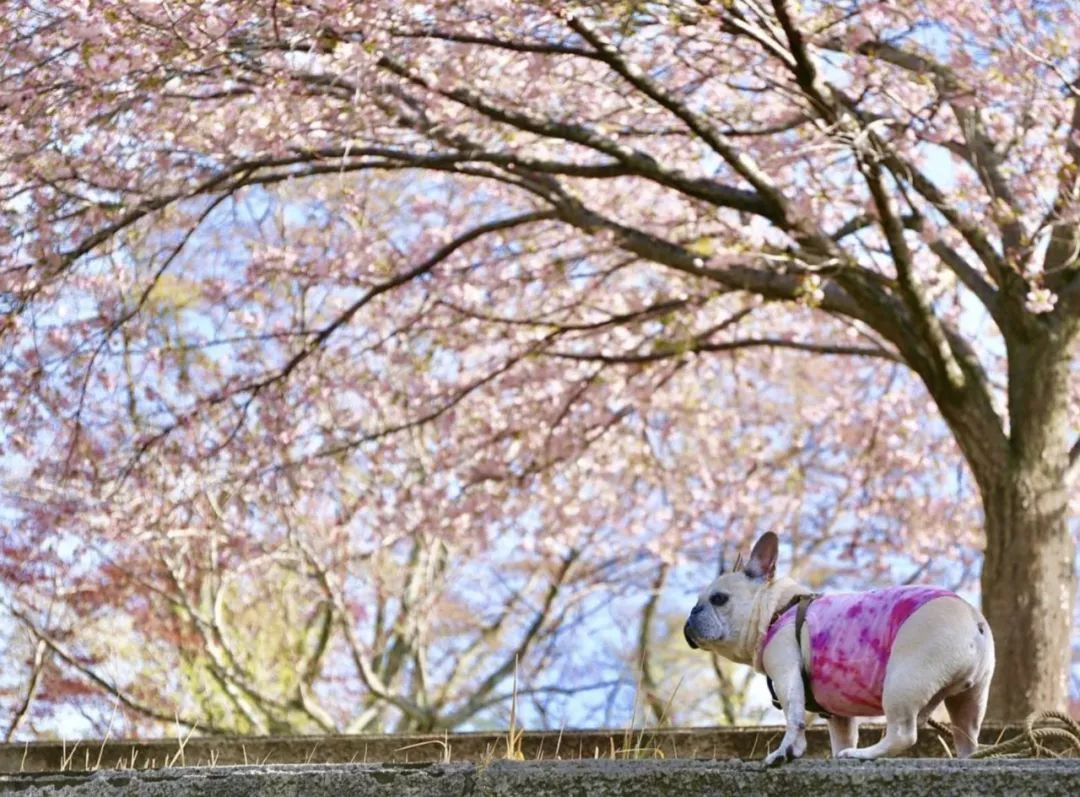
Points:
(967, 707)
(900, 734)
(903, 699)
(966, 711)
(843, 733)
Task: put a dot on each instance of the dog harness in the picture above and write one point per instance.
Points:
(851, 637)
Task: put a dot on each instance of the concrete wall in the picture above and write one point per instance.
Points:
(597, 778)
(748, 744)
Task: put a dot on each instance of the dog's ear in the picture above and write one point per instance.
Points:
(762, 564)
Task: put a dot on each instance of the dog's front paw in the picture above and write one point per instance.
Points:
(777, 756)
(785, 752)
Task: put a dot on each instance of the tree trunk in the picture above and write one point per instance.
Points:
(1029, 573)
(1028, 592)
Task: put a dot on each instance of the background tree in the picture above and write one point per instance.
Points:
(490, 269)
(340, 599)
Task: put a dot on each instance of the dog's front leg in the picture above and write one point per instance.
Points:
(789, 689)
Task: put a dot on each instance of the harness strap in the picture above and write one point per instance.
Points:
(802, 602)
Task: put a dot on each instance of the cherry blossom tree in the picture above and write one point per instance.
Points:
(306, 284)
(319, 616)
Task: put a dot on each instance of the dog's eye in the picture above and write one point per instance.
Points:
(718, 599)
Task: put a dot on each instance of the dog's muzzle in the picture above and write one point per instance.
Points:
(686, 628)
(689, 639)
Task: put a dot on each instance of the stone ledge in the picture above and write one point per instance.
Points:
(746, 743)
(887, 778)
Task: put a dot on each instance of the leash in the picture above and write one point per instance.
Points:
(1031, 742)
(1039, 728)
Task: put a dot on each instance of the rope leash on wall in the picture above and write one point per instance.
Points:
(1039, 730)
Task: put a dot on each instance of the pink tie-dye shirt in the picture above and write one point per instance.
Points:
(851, 637)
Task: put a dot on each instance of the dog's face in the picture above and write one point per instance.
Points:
(723, 608)
(722, 611)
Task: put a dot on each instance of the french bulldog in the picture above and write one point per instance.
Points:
(897, 652)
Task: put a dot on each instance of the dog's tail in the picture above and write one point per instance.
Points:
(984, 644)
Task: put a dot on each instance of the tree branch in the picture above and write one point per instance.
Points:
(728, 345)
(135, 705)
(785, 285)
(617, 319)
(972, 232)
(903, 170)
(222, 664)
(252, 389)
(541, 48)
(486, 634)
(1063, 253)
(36, 668)
(649, 682)
(868, 147)
(503, 671)
(454, 399)
(970, 277)
(979, 150)
(910, 288)
(364, 666)
(640, 163)
(1072, 470)
(737, 160)
(864, 220)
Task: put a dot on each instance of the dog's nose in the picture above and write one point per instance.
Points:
(689, 639)
(697, 609)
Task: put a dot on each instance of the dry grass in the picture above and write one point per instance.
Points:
(637, 742)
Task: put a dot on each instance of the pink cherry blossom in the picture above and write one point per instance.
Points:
(415, 336)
